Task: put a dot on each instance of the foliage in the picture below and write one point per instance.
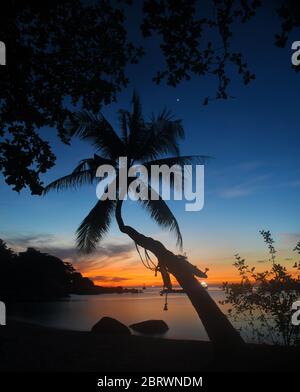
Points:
(58, 52)
(36, 276)
(183, 25)
(261, 304)
(66, 53)
(141, 141)
(289, 13)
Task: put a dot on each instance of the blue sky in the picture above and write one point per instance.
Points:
(252, 183)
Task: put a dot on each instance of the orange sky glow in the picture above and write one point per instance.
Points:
(130, 272)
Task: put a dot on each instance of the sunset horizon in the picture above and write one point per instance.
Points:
(149, 194)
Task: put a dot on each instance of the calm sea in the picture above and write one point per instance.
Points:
(81, 312)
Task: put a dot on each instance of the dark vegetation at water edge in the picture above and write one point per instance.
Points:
(37, 276)
(262, 303)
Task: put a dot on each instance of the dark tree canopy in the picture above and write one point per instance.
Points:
(188, 35)
(56, 51)
(36, 276)
(33, 275)
(289, 14)
(74, 53)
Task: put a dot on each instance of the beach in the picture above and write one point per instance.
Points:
(32, 348)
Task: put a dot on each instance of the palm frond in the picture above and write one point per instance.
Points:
(180, 161)
(136, 107)
(95, 225)
(136, 126)
(84, 164)
(71, 181)
(166, 116)
(161, 213)
(160, 137)
(97, 130)
(123, 119)
(83, 174)
(98, 161)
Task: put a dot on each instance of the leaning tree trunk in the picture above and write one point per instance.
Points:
(221, 333)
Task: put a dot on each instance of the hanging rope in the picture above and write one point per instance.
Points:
(166, 302)
(149, 264)
(149, 259)
(146, 262)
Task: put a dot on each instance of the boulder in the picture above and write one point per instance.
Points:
(150, 327)
(110, 326)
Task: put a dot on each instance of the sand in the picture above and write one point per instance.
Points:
(28, 347)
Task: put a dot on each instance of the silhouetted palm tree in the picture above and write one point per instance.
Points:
(147, 143)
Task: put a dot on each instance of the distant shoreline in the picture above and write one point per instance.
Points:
(95, 290)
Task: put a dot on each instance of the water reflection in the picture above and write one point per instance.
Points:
(82, 312)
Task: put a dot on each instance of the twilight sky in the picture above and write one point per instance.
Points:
(252, 183)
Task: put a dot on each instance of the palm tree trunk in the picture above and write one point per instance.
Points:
(222, 334)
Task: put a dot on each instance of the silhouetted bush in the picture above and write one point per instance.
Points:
(261, 304)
